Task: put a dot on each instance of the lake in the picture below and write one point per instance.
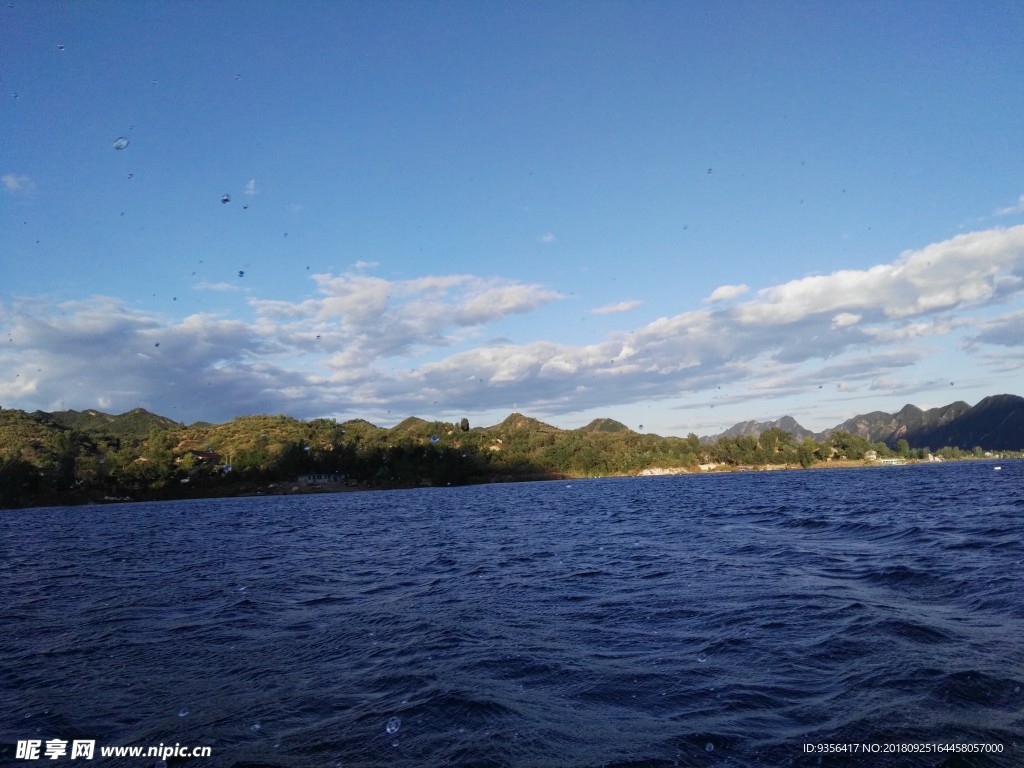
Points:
(719, 620)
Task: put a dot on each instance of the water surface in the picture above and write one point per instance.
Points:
(698, 621)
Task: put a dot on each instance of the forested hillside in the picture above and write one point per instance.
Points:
(79, 456)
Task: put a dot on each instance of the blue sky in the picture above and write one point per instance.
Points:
(678, 215)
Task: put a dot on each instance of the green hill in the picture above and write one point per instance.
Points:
(33, 437)
(135, 423)
(605, 425)
(74, 456)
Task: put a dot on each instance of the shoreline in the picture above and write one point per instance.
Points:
(250, 489)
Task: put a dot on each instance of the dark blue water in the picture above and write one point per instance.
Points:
(698, 621)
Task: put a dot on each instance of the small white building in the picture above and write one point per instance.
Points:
(321, 478)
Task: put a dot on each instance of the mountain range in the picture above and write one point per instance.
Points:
(995, 423)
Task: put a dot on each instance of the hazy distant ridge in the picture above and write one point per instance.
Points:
(995, 423)
(137, 421)
(756, 428)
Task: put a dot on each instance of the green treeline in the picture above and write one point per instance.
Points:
(69, 457)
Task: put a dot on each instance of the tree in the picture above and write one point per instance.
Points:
(158, 455)
(293, 460)
(18, 479)
(67, 443)
(464, 424)
(777, 444)
(848, 446)
(808, 452)
(188, 462)
(903, 447)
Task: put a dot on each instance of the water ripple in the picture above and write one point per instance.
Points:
(711, 621)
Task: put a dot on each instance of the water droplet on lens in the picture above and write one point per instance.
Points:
(131, 176)
(224, 199)
(182, 712)
(60, 47)
(709, 747)
(121, 143)
(241, 273)
(393, 725)
(434, 438)
(701, 657)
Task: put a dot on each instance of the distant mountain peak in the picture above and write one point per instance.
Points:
(519, 421)
(412, 422)
(756, 428)
(605, 425)
(137, 421)
(996, 422)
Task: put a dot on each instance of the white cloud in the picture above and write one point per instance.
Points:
(848, 326)
(547, 238)
(969, 269)
(617, 308)
(886, 384)
(220, 287)
(845, 319)
(17, 185)
(361, 318)
(1010, 210)
(250, 187)
(361, 342)
(485, 303)
(101, 350)
(1005, 331)
(726, 292)
(913, 330)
